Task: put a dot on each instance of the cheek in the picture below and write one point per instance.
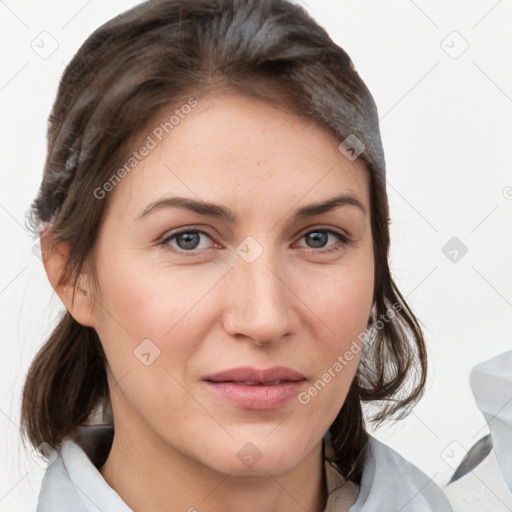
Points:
(151, 300)
(157, 316)
(337, 348)
(147, 328)
(342, 302)
(343, 307)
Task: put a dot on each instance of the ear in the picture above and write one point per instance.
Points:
(55, 255)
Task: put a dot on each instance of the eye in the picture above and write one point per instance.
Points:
(186, 240)
(319, 237)
(189, 240)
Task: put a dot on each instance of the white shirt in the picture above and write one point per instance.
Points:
(389, 483)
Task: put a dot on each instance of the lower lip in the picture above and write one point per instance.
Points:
(257, 397)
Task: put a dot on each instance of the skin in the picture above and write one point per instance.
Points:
(176, 443)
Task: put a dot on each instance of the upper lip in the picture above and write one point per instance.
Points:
(250, 374)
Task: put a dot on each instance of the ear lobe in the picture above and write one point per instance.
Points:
(55, 256)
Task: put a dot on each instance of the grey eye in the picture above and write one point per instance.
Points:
(318, 238)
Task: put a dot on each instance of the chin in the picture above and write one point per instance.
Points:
(274, 465)
(258, 454)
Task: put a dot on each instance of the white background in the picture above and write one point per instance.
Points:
(447, 132)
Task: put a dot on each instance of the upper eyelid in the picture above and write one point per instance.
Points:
(168, 235)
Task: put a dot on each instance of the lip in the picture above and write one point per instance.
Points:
(275, 386)
(248, 373)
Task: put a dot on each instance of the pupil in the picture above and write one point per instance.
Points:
(319, 238)
(191, 240)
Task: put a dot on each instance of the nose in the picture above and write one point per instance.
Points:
(259, 302)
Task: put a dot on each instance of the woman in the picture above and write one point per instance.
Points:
(213, 216)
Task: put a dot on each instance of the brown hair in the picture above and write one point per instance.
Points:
(157, 55)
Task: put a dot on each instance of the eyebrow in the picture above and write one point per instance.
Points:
(223, 213)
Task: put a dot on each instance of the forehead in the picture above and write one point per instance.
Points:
(238, 151)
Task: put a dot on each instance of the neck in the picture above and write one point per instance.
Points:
(154, 477)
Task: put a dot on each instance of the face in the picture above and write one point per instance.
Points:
(193, 307)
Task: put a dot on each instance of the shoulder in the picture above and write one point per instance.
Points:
(72, 481)
(483, 481)
(57, 490)
(391, 483)
(480, 490)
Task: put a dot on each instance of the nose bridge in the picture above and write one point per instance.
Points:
(259, 297)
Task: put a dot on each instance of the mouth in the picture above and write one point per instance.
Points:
(251, 388)
(256, 383)
(255, 376)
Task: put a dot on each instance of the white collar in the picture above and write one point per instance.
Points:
(389, 483)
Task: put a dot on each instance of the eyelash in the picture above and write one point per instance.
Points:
(165, 242)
